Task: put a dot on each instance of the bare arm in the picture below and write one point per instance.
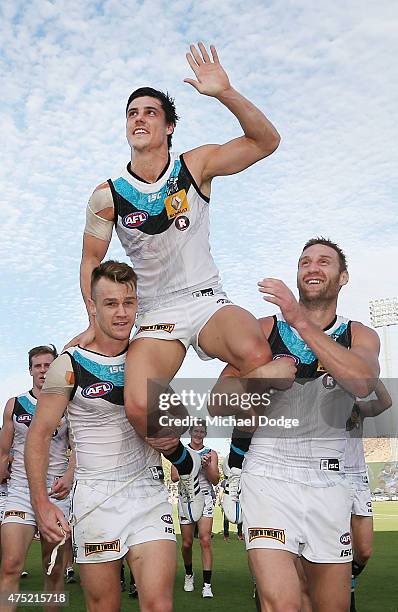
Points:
(211, 468)
(260, 138)
(357, 369)
(174, 474)
(49, 411)
(374, 407)
(6, 438)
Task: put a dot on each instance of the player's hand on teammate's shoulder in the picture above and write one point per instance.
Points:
(276, 292)
(51, 522)
(212, 80)
(82, 339)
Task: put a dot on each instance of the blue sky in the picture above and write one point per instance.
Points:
(322, 72)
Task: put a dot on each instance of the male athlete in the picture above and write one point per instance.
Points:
(208, 477)
(119, 501)
(159, 206)
(20, 523)
(355, 467)
(294, 493)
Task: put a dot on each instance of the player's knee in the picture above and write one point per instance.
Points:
(186, 544)
(253, 353)
(11, 566)
(205, 540)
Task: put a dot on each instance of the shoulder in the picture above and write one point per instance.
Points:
(9, 407)
(361, 332)
(267, 323)
(101, 197)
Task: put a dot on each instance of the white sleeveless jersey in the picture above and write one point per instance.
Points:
(354, 461)
(22, 415)
(313, 453)
(164, 229)
(204, 483)
(106, 445)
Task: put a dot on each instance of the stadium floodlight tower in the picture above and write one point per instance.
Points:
(384, 313)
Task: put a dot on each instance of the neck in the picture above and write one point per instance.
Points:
(36, 391)
(319, 313)
(149, 164)
(197, 446)
(105, 345)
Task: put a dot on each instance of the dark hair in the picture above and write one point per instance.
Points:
(332, 245)
(166, 101)
(116, 271)
(42, 350)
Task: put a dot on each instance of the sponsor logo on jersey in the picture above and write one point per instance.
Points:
(92, 548)
(176, 204)
(167, 518)
(24, 418)
(98, 389)
(157, 472)
(331, 465)
(320, 367)
(16, 513)
(224, 301)
(328, 382)
(281, 355)
(182, 223)
(135, 219)
(203, 293)
(345, 538)
(346, 552)
(167, 327)
(266, 532)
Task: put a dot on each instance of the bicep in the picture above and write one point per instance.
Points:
(7, 430)
(366, 344)
(49, 411)
(231, 157)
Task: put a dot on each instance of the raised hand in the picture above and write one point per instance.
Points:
(212, 80)
(276, 292)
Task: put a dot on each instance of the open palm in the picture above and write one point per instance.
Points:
(212, 79)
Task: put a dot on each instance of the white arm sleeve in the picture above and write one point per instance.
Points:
(95, 225)
(60, 378)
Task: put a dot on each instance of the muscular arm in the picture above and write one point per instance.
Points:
(6, 438)
(374, 407)
(212, 472)
(97, 235)
(260, 138)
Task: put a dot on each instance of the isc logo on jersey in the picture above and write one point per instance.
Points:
(98, 389)
(135, 219)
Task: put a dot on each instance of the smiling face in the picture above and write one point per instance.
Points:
(198, 434)
(319, 278)
(114, 306)
(39, 367)
(146, 126)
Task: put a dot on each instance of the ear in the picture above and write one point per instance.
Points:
(170, 129)
(344, 278)
(91, 307)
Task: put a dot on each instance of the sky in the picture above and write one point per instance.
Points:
(323, 73)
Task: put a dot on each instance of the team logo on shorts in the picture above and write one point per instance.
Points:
(345, 539)
(182, 223)
(98, 389)
(328, 382)
(166, 327)
(266, 532)
(203, 293)
(369, 506)
(92, 548)
(331, 465)
(176, 204)
(157, 472)
(167, 518)
(16, 513)
(224, 301)
(135, 219)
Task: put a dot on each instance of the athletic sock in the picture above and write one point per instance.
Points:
(240, 443)
(188, 570)
(357, 568)
(206, 576)
(352, 605)
(181, 459)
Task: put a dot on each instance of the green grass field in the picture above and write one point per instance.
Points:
(232, 586)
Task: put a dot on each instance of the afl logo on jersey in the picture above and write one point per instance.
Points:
(135, 219)
(24, 418)
(98, 389)
(281, 355)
